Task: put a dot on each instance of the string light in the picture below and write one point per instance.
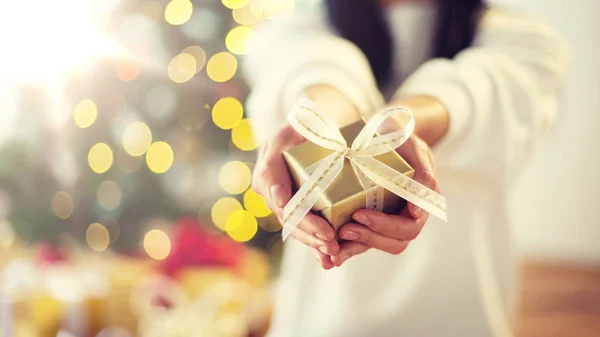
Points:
(239, 39)
(235, 177)
(222, 209)
(256, 204)
(178, 12)
(234, 4)
(137, 138)
(198, 53)
(182, 68)
(227, 113)
(100, 158)
(221, 67)
(62, 204)
(159, 157)
(128, 70)
(241, 226)
(243, 137)
(85, 113)
(109, 194)
(248, 15)
(97, 237)
(157, 244)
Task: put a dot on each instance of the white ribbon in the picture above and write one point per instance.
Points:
(373, 175)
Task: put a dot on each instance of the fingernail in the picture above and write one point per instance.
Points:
(417, 211)
(321, 236)
(279, 195)
(350, 236)
(323, 250)
(362, 219)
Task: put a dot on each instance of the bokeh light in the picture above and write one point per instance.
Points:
(157, 244)
(97, 237)
(112, 225)
(198, 53)
(221, 67)
(137, 138)
(100, 158)
(256, 204)
(227, 113)
(109, 194)
(235, 177)
(127, 163)
(7, 235)
(222, 209)
(178, 12)
(204, 25)
(241, 226)
(243, 137)
(239, 39)
(85, 113)
(128, 70)
(234, 4)
(273, 8)
(152, 9)
(159, 157)
(62, 204)
(248, 15)
(182, 68)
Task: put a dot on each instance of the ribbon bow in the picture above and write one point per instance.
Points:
(372, 175)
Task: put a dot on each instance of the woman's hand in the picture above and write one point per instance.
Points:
(393, 233)
(271, 178)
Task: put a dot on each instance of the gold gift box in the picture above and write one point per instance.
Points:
(345, 195)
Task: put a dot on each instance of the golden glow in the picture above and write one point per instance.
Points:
(159, 157)
(198, 53)
(178, 12)
(243, 137)
(182, 68)
(128, 70)
(227, 113)
(127, 163)
(100, 158)
(85, 113)
(97, 237)
(157, 244)
(234, 4)
(221, 67)
(239, 39)
(241, 226)
(235, 177)
(222, 209)
(137, 138)
(7, 235)
(62, 204)
(109, 194)
(273, 8)
(248, 15)
(256, 204)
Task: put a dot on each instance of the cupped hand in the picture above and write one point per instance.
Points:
(390, 233)
(272, 181)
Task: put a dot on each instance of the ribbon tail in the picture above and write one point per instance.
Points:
(403, 186)
(311, 191)
(374, 192)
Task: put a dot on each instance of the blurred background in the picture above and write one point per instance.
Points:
(126, 160)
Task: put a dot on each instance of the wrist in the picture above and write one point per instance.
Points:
(431, 117)
(333, 103)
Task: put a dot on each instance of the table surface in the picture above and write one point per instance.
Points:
(559, 300)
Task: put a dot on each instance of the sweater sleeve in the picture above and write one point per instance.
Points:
(501, 95)
(294, 52)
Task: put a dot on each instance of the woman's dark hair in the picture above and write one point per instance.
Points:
(363, 22)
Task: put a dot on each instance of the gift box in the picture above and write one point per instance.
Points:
(345, 195)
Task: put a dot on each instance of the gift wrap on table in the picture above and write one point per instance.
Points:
(340, 171)
(345, 195)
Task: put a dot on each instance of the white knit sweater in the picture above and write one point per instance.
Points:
(456, 278)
